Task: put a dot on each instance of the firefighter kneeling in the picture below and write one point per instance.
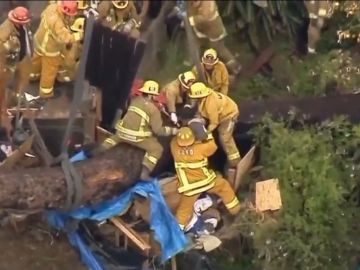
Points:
(141, 122)
(194, 176)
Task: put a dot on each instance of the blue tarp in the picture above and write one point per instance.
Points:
(162, 222)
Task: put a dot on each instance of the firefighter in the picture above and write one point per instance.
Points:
(222, 113)
(207, 24)
(194, 176)
(15, 53)
(175, 92)
(216, 74)
(121, 16)
(50, 39)
(318, 12)
(71, 55)
(139, 126)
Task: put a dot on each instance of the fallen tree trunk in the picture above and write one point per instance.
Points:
(41, 188)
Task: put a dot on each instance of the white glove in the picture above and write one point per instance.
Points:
(127, 28)
(173, 118)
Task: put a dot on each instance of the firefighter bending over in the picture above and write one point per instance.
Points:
(71, 55)
(176, 92)
(139, 126)
(15, 53)
(121, 16)
(50, 38)
(194, 176)
(216, 74)
(222, 113)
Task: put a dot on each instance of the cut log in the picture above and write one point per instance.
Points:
(41, 188)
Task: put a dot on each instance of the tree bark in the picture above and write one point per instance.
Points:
(103, 176)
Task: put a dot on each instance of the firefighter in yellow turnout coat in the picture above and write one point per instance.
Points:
(71, 56)
(15, 52)
(207, 24)
(121, 16)
(176, 92)
(222, 113)
(139, 125)
(50, 40)
(194, 176)
(215, 71)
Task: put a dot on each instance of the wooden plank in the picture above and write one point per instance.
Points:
(131, 234)
(268, 195)
(243, 167)
(18, 154)
(102, 134)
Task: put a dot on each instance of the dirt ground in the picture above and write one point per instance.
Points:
(34, 248)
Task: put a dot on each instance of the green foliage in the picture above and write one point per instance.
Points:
(264, 22)
(314, 75)
(319, 177)
(173, 58)
(256, 87)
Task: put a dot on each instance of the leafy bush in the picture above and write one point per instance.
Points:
(317, 166)
(264, 22)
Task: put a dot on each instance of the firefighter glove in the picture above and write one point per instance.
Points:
(174, 118)
(128, 27)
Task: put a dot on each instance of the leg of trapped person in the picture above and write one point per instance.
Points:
(185, 209)
(227, 141)
(50, 67)
(223, 189)
(35, 67)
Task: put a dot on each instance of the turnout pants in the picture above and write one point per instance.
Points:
(153, 149)
(226, 130)
(45, 68)
(222, 189)
(21, 74)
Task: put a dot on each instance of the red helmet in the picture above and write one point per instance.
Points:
(19, 15)
(68, 7)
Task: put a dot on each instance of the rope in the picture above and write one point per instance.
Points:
(73, 179)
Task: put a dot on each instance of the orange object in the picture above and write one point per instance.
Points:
(268, 195)
(68, 7)
(19, 15)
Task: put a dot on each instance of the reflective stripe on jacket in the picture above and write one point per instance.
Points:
(53, 33)
(191, 165)
(135, 135)
(142, 120)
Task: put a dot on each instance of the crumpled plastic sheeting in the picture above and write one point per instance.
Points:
(162, 222)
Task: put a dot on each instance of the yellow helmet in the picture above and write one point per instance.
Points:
(185, 137)
(120, 4)
(78, 25)
(150, 87)
(187, 79)
(82, 4)
(210, 57)
(199, 90)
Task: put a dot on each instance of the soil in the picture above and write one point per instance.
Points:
(33, 247)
